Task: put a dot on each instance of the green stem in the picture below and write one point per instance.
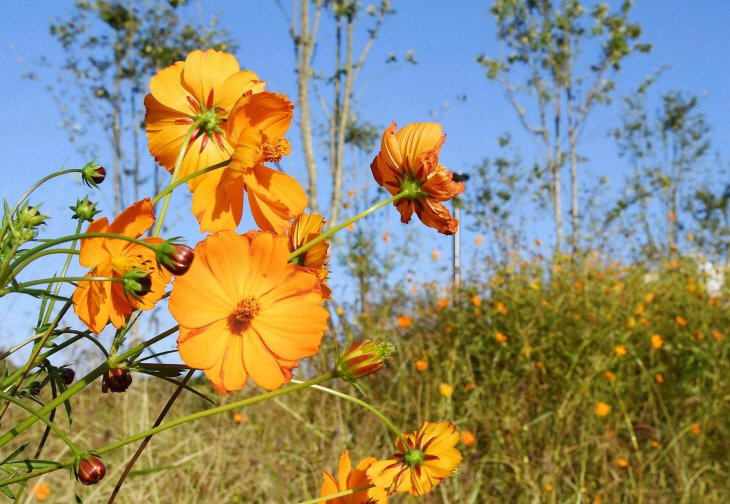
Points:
(22, 266)
(175, 172)
(40, 417)
(29, 191)
(341, 494)
(23, 285)
(139, 348)
(63, 273)
(180, 182)
(368, 407)
(174, 423)
(332, 231)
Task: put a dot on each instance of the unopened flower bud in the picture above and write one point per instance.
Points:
(84, 210)
(116, 380)
(93, 174)
(34, 388)
(137, 282)
(362, 359)
(67, 375)
(30, 216)
(177, 259)
(91, 470)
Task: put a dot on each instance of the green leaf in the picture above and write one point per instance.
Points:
(31, 464)
(15, 453)
(7, 493)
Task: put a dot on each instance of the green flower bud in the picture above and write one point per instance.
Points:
(93, 174)
(136, 282)
(30, 217)
(362, 359)
(84, 210)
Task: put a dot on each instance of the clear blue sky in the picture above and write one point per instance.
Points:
(446, 37)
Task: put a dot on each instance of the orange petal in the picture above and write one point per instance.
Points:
(92, 250)
(195, 159)
(202, 348)
(218, 202)
(275, 198)
(416, 139)
(165, 139)
(236, 86)
(135, 220)
(167, 87)
(261, 363)
(248, 152)
(91, 304)
(288, 341)
(270, 113)
(345, 470)
(267, 263)
(434, 214)
(329, 487)
(233, 375)
(207, 70)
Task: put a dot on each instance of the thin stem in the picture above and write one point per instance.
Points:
(38, 415)
(368, 407)
(180, 182)
(144, 443)
(341, 494)
(25, 263)
(63, 273)
(332, 231)
(180, 158)
(34, 354)
(23, 285)
(33, 188)
(139, 348)
(173, 423)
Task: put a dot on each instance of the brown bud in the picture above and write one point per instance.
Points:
(116, 380)
(179, 260)
(91, 471)
(67, 375)
(362, 359)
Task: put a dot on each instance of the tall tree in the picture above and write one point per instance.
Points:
(112, 48)
(547, 45)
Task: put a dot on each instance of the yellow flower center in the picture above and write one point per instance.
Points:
(275, 149)
(246, 310)
(122, 264)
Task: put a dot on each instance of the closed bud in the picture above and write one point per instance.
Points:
(30, 216)
(91, 470)
(84, 210)
(177, 259)
(67, 375)
(93, 174)
(362, 359)
(34, 388)
(116, 380)
(137, 282)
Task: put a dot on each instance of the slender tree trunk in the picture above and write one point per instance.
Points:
(573, 169)
(117, 136)
(304, 73)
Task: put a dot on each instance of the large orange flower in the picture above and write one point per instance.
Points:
(304, 229)
(348, 480)
(430, 459)
(256, 127)
(97, 302)
(204, 87)
(243, 310)
(409, 158)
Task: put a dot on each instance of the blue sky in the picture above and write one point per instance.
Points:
(446, 38)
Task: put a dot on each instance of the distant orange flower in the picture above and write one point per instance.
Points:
(476, 301)
(631, 323)
(442, 303)
(681, 321)
(243, 310)
(545, 302)
(548, 487)
(620, 350)
(659, 378)
(238, 417)
(446, 390)
(609, 376)
(448, 329)
(41, 491)
(435, 255)
(468, 438)
(671, 215)
(430, 459)
(501, 308)
(602, 409)
(470, 386)
(479, 240)
(500, 337)
(639, 309)
(698, 335)
(421, 365)
(409, 159)
(655, 444)
(350, 227)
(386, 237)
(526, 351)
(695, 428)
(717, 335)
(538, 242)
(348, 480)
(96, 303)
(622, 462)
(540, 365)
(656, 341)
(648, 297)
(303, 230)
(404, 321)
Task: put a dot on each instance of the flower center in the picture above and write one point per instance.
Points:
(122, 264)
(275, 149)
(414, 457)
(246, 310)
(207, 116)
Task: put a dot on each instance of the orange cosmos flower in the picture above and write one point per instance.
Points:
(602, 409)
(446, 390)
(681, 321)
(429, 459)
(501, 308)
(95, 303)
(303, 230)
(204, 87)
(347, 479)
(404, 321)
(256, 126)
(609, 376)
(41, 491)
(409, 160)
(421, 365)
(659, 378)
(620, 350)
(479, 240)
(476, 301)
(656, 341)
(695, 428)
(468, 438)
(622, 462)
(717, 335)
(243, 310)
(500, 337)
(442, 303)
